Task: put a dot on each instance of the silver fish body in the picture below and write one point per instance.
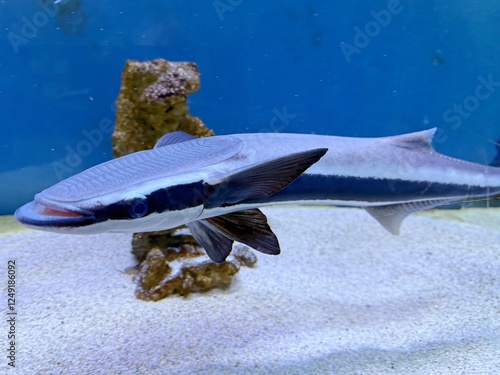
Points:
(216, 184)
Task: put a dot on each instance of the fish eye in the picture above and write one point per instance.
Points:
(138, 208)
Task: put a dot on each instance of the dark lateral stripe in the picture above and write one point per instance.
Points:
(173, 198)
(179, 197)
(341, 188)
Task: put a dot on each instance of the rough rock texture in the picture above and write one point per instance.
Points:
(186, 269)
(151, 103)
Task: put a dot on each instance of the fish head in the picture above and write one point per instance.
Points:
(144, 191)
(74, 207)
(129, 213)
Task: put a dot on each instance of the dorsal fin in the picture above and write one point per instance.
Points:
(174, 137)
(416, 141)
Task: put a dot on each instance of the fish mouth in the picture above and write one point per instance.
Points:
(41, 213)
(44, 210)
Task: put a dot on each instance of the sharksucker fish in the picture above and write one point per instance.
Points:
(216, 185)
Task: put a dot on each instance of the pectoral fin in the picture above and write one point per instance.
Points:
(262, 180)
(250, 227)
(217, 245)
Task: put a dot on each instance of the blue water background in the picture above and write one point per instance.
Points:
(266, 66)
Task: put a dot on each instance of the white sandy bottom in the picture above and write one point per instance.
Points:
(344, 297)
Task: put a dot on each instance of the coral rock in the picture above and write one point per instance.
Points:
(151, 103)
(158, 277)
